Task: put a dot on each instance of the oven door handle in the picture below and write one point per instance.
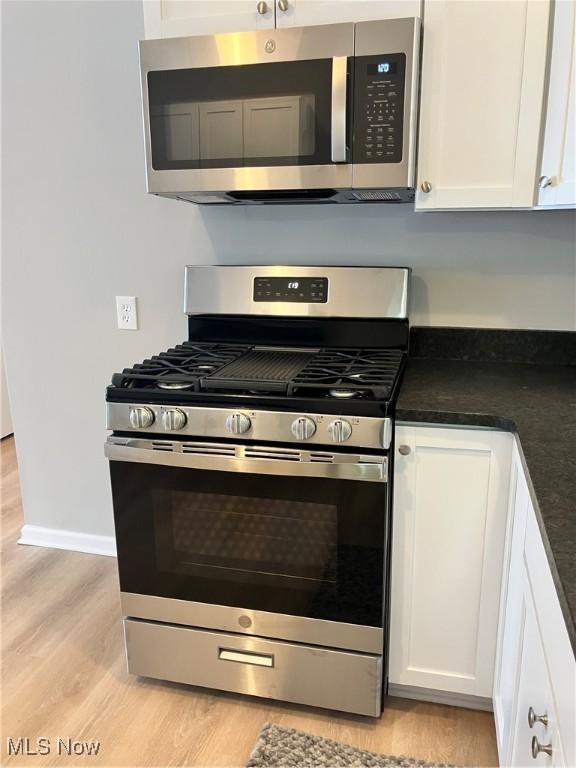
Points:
(339, 108)
(247, 458)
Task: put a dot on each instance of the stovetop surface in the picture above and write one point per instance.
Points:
(332, 379)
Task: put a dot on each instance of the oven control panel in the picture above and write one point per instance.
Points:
(309, 290)
(379, 108)
(196, 422)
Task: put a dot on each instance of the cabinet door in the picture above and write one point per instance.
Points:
(450, 508)
(534, 691)
(180, 18)
(483, 77)
(558, 155)
(300, 13)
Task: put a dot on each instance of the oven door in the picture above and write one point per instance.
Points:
(253, 111)
(277, 542)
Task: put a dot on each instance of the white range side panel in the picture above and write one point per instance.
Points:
(483, 82)
(559, 150)
(450, 511)
(180, 18)
(301, 13)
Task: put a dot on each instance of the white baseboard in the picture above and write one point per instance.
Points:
(57, 538)
(466, 700)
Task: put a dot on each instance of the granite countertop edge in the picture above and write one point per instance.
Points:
(503, 423)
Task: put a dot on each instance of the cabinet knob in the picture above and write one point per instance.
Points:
(283, 5)
(404, 450)
(262, 7)
(537, 748)
(533, 718)
(426, 187)
(545, 181)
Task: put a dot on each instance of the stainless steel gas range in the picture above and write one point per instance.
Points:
(250, 474)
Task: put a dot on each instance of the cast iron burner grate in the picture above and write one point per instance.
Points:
(180, 367)
(195, 367)
(370, 372)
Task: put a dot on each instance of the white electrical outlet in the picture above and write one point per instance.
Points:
(126, 313)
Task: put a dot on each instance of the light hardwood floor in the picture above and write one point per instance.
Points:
(63, 675)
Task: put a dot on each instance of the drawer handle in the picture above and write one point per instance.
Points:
(533, 718)
(537, 748)
(246, 657)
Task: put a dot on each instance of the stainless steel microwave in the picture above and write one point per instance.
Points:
(310, 114)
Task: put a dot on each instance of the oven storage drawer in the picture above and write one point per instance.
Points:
(349, 682)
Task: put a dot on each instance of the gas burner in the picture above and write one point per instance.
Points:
(175, 384)
(345, 394)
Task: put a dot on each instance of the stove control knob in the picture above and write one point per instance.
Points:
(339, 430)
(238, 423)
(303, 428)
(140, 417)
(173, 419)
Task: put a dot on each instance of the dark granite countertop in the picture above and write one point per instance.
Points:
(534, 400)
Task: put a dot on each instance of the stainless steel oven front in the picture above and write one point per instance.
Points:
(314, 113)
(253, 539)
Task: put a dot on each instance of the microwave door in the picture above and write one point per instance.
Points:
(222, 114)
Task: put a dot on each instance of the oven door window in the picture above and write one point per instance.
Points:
(298, 545)
(241, 116)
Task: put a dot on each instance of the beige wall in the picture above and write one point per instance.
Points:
(79, 229)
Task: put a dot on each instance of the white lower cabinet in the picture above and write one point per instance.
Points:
(475, 614)
(535, 664)
(534, 696)
(450, 515)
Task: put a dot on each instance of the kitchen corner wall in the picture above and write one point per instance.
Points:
(79, 230)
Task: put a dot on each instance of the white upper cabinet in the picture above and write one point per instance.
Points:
(301, 13)
(180, 18)
(450, 513)
(558, 170)
(483, 83)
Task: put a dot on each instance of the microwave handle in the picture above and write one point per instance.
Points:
(339, 108)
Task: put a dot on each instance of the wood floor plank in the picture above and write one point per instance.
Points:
(64, 675)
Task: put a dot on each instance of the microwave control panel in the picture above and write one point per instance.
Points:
(379, 108)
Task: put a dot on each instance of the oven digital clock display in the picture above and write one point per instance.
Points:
(308, 290)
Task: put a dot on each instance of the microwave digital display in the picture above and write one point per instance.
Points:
(309, 290)
(383, 68)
